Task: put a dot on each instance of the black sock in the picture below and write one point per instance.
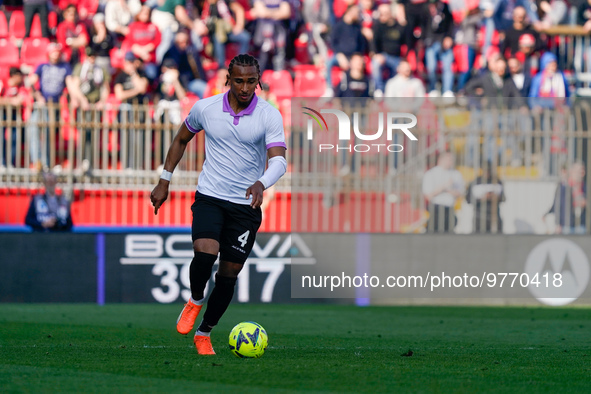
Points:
(200, 272)
(218, 302)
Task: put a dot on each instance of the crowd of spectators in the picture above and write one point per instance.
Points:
(165, 51)
(446, 43)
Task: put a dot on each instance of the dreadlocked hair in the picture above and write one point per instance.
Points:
(245, 60)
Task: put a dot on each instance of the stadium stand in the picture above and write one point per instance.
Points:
(3, 26)
(302, 76)
(34, 51)
(8, 53)
(16, 25)
(36, 27)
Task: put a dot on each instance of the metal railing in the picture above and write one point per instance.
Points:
(572, 44)
(528, 151)
(117, 151)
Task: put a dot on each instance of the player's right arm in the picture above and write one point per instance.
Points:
(174, 155)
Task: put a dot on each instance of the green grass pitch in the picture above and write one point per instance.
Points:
(312, 348)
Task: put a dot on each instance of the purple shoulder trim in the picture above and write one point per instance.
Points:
(191, 129)
(272, 144)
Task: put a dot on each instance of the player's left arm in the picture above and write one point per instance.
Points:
(275, 170)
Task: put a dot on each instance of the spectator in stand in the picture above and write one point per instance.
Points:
(442, 186)
(584, 15)
(405, 85)
(143, 39)
(169, 17)
(316, 14)
(225, 21)
(486, 193)
(191, 73)
(72, 35)
(131, 87)
(49, 212)
(90, 90)
(549, 88)
(131, 84)
(346, 40)
(410, 92)
(467, 36)
(119, 14)
(522, 80)
(170, 92)
(218, 85)
(551, 13)
(101, 42)
(411, 14)
(528, 55)
(354, 82)
(388, 37)
(90, 83)
(514, 33)
(32, 7)
(270, 33)
(498, 15)
(53, 77)
(570, 201)
(12, 94)
(495, 87)
(438, 40)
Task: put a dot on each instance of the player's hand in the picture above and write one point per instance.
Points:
(159, 194)
(49, 223)
(256, 191)
(448, 42)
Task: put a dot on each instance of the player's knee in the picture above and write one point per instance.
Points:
(229, 270)
(206, 245)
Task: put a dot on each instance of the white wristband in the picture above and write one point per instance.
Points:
(166, 175)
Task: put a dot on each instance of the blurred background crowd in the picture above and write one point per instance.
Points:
(168, 49)
(97, 89)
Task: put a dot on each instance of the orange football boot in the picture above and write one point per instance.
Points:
(186, 320)
(203, 345)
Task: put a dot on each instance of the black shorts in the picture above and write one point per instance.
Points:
(234, 226)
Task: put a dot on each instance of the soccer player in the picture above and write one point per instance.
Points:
(241, 130)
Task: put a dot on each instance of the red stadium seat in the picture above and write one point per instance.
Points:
(304, 67)
(3, 26)
(280, 83)
(8, 53)
(309, 83)
(16, 26)
(34, 51)
(36, 31)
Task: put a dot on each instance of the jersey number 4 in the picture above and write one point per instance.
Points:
(243, 239)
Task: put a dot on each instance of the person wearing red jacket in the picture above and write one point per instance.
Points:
(72, 36)
(143, 39)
